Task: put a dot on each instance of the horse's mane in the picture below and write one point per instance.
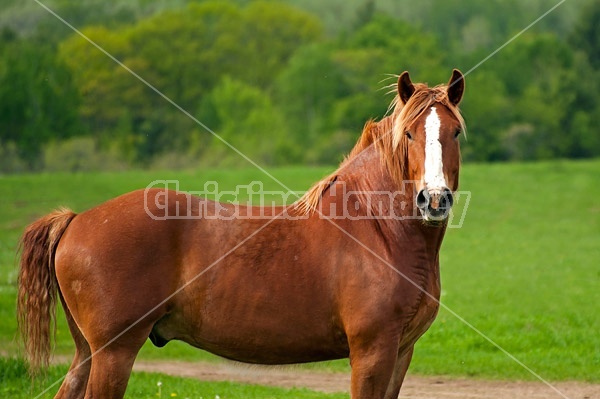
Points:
(389, 138)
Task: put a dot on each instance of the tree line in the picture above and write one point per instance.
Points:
(285, 82)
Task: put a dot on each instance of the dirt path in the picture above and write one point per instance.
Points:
(414, 387)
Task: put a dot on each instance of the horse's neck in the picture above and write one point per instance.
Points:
(391, 207)
(368, 174)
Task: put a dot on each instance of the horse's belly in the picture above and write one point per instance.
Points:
(272, 353)
(258, 330)
(261, 344)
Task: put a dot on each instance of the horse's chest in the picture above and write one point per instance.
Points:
(425, 315)
(426, 310)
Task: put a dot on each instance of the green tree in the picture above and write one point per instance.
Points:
(307, 91)
(488, 114)
(250, 122)
(548, 85)
(184, 53)
(38, 101)
(370, 59)
(117, 109)
(334, 88)
(537, 98)
(586, 32)
(272, 33)
(365, 13)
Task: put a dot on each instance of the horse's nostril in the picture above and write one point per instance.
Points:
(423, 199)
(446, 199)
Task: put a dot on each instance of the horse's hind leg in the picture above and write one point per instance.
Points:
(112, 363)
(105, 352)
(75, 383)
(111, 369)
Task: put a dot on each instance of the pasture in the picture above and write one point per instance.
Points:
(523, 270)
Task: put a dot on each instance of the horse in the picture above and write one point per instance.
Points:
(350, 270)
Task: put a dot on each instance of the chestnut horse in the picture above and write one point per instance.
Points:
(340, 273)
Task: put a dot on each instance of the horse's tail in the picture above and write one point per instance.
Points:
(38, 287)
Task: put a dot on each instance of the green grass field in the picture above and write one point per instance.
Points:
(15, 384)
(523, 269)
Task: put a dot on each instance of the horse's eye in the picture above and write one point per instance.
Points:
(408, 135)
(457, 133)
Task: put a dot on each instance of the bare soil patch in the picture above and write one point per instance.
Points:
(415, 387)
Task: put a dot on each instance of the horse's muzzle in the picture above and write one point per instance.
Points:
(435, 204)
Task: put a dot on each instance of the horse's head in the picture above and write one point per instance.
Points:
(428, 130)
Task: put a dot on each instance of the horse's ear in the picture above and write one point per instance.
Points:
(405, 87)
(456, 87)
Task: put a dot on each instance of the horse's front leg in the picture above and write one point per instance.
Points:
(399, 373)
(372, 363)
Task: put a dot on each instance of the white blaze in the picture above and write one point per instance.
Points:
(434, 168)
